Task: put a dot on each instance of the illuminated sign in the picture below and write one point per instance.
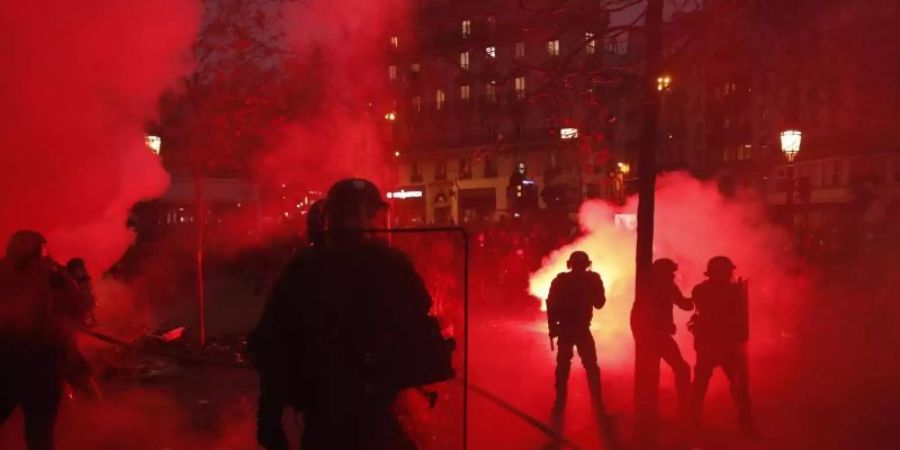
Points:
(403, 194)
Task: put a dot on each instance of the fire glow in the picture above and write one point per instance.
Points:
(687, 209)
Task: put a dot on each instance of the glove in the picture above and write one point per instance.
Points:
(554, 330)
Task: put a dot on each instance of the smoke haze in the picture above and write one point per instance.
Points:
(85, 79)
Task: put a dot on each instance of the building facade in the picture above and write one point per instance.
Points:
(491, 89)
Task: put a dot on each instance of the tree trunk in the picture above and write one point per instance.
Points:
(646, 362)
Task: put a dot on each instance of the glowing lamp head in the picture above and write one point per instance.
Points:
(154, 143)
(663, 83)
(391, 116)
(790, 143)
(624, 168)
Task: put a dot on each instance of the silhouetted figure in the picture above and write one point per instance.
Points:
(653, 326)
(33, 292)
(573, 297)
(78, 371)
(721, 332)
(346, 328)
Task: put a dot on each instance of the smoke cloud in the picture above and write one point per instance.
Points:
(694, 222)
(341, 129)
(81, 80)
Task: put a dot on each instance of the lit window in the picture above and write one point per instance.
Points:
(466, 28)
(490, 91)
(520, 50)
(491, 52)
(440, 99)
(392, 72)
(415, 67)
(591, 47)
(553, 47)
(395, 41)
(568, 133)
(464, 60)
(417, 103)
(520, 87)
(465, 92)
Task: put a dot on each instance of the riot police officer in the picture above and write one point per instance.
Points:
(573, 297)
(33, 291)
(346, 328)
(721, 332)
(653, 325)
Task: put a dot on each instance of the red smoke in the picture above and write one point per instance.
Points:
(693, 223)
(80, 81)
(341, 131)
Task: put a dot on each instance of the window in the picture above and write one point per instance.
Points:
(490, 167)
(490, 92)
(491, 52)
(465, 92)
(417, 103)
(591, 47)
(465, 169)
(415, 67)
(464, 60)
(466, 28)
(395, 41)
(553, 47)
(520, 50)
(520, 87)
(392, 72)
(440, 99)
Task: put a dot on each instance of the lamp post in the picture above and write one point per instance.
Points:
(790, 146)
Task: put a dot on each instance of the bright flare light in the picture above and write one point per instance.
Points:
(391, 116)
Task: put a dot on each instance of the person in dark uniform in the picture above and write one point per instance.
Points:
(346, 328)
(79, 373)
(573, 297)
(653, 326)
(721, 332)
(33, 290)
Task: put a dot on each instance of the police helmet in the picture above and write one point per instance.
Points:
(664, 265)
(25, 244)
(719, 264)
(347, 197)
(578, 260)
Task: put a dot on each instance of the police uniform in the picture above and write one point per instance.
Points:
(720, 337)
(346, 328)
(573, 297)
(32, 341)
(653, 324)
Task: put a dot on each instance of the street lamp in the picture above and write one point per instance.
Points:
(154, 143)
(390, 116)
(663, 83)
(790, 146)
